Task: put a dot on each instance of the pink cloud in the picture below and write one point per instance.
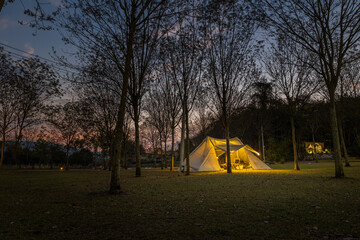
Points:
(4, 23)
(29, 50)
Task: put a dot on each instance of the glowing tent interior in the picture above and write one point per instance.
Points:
(210, 156)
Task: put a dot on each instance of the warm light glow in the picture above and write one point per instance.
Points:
(257, 153)
(61, 168)
(317, 147)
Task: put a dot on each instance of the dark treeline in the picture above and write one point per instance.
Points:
(45, 154)
(312, 123)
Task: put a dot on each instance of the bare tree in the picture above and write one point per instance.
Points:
(288, 68)
(8, 98)
(108, 31)
(37, 85)
(330, 31)
(349, 87)
(65, 123)
(156, 104)
(351, 79)
(29, 137)
(182, 52)
(142, 69)
(151, 137)
(230, 59)
(98, 107)
(262, 97)
(172, 107)
(128, 131)
(203, 116)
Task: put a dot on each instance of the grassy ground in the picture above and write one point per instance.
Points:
(274, 204)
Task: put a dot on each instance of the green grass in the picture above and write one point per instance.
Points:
(274, 204)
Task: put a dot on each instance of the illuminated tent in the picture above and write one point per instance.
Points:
(210, 154)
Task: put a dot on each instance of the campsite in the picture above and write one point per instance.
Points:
(191, 119)
(205, 157)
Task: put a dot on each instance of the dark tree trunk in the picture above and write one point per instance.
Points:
(339, 170)
(137, 141)
(293, 137)
(108, 162)
(343, 145)
(2, 148)
(182, 143)
(172, 148)
(115, 156)
(125, 160)
(165, 150)
(103, 156)
(263, 143)
(161, 155)
(227, 136)
(95, 155)
(340, 118)
(259, 143)
(154, 157)
(187, 149)
(313, 139)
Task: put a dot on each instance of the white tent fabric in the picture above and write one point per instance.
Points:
(205, 156)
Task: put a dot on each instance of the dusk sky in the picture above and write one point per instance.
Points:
(22, 37)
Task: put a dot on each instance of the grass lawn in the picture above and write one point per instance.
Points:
(248, 204)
